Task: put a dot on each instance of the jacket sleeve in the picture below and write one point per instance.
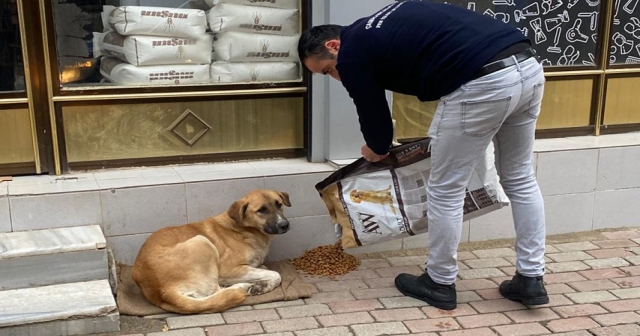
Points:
(371, 104)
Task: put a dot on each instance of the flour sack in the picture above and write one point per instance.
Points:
(156, 21)
(247, 47)
(222, 72)
(123, 73)
(228, 17)
(289, 4)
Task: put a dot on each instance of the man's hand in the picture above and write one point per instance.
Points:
(370, 156)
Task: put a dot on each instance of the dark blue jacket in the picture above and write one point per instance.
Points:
(415, 48)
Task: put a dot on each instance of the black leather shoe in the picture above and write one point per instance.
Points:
(528, 290)
(425, 289)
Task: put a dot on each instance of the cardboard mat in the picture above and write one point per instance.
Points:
(131, 301)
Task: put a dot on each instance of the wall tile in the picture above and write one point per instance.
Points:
(207, 199)
(617, 208)
(567, 172)
(618, 168)
(54, 211)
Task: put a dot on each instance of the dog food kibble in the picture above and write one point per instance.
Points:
(328, 260)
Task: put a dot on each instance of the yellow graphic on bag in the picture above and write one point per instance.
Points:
(382, 197)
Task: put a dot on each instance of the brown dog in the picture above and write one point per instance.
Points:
(186, 269)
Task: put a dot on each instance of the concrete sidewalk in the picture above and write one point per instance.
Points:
(593, 281)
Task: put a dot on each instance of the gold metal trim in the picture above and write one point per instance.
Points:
(14, 101)
(29, 86)
(49, 75)
(191, 94)
(573, 73)
(604, 61)
(622, 71)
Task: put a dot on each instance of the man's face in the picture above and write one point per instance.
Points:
(326, 66)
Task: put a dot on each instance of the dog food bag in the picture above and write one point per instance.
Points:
(289, 4)
(223, 72)
(153, 50)
(251, 19)
(155, 21)
(249, 47)
(124, 73)
(376, 202)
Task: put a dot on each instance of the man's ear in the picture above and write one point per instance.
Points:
(285, 198)
(333, 45)
(238, 210)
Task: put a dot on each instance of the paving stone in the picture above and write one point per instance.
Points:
(591, 297)
(334, 331)
(487, 262)
(394, 271)
(468, 296)
(290, 324)
(355, 306)
(532, 315)
(627, 282)
(337, 286)
(408, 261)
(627, 293)
(607, 263)
(556, 300)
(574, 333)
(462, 310)
(496, 253)
(496, 306)
(480, 273)
(182, 332)
(377, 329)
(631, 270)
(345, 319)
(231, 330)
(288, 333)
(373, 263)
(559, 289)
(569, 266)
(474, 284)
(603, 274)
(616, 235)
(510, 271)
(621, 330)
(401, 302)
(380, 282)
(569, 256)
(580, 246)
(525, 329)
(329, 297)
(490, 294)
(279, 304)
(304, 311)
(399, 315)
(579, 310)
(483, 320)
(617, 318)
(252, 316)
(462, 256)
(359, 274)
(572, 324)
(562, 278)
(615, 243)
(470, 332)
(376, 293)
(593, 285)
(622, 305)
(194, 321)
(611, 253)
(634, 260)
(432, 325)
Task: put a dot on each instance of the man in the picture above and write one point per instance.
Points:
(489, 85)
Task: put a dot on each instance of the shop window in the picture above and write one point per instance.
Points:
(625, 39)
(133, 43)
(11, 65)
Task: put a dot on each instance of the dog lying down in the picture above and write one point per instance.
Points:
(212, 265)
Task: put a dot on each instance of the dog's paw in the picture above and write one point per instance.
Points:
(246, 287)
(260, 287)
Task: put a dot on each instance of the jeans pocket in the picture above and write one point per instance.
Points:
(536, 101)
(481, 118)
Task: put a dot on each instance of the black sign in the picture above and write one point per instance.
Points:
(625, 41)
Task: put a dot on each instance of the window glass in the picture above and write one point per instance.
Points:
(11, 66)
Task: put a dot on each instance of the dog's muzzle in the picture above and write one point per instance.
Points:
(281, 226)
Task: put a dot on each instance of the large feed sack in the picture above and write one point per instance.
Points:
(223, 72)
(251, 19)
(289, 4)
(124, 73)
(248, 47)
(155, 21)
(143, 50)
(376, 202)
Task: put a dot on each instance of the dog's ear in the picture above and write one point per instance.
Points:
(285, 198)
(238, 210)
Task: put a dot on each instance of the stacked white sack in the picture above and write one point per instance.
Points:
(275, 21)
(121, 72)
(153, 50)
(223, 72)
(288, 4)
(247, 47)
(156, 21)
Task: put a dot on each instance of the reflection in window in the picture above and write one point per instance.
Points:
(176, 42)
(11, 67)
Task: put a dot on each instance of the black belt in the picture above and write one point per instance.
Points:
(505, 63)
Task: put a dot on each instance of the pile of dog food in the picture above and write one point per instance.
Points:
(327, 260)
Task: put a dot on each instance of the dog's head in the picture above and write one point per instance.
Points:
(262, 210)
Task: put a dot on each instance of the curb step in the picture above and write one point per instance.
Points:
(68, 309)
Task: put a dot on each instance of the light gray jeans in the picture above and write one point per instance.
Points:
(502, 107)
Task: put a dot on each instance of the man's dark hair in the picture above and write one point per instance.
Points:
(312, 42)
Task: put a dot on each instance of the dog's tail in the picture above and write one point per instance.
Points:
(223, 299)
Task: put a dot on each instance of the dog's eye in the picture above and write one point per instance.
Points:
(263, 209)
(279, 205)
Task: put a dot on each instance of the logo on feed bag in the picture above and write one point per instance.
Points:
(257, 17)
(369, 224)
(265, 53)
